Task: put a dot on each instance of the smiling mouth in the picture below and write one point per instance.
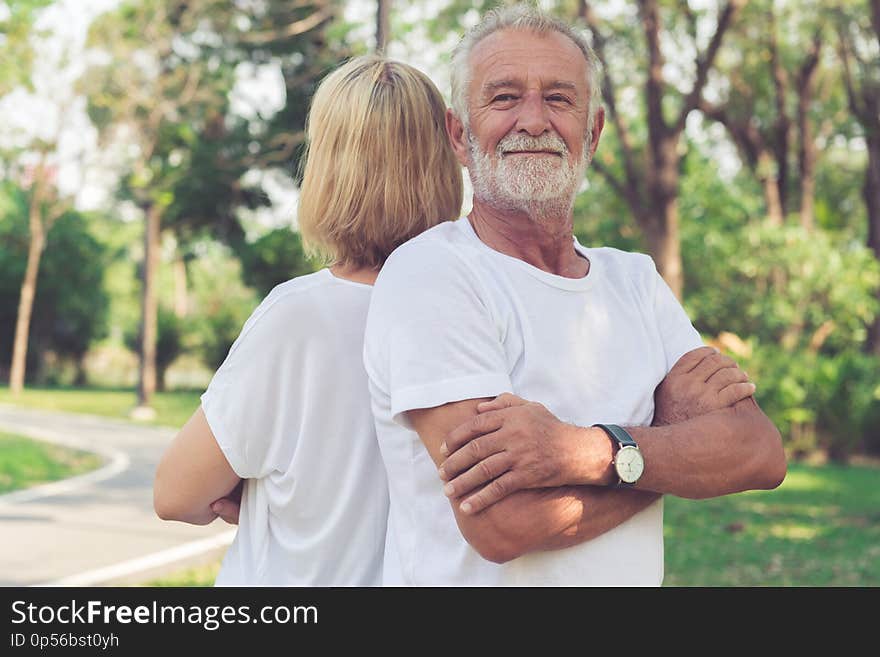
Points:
(557, 154)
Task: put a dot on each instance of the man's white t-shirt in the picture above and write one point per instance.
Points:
(290, 410)
(453, 319)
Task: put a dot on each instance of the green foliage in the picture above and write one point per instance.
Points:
(70, 306)
(16, 47)
(800, 301)
(274, 258)
(781, 285)
(169, 342)
(222, 303)
(820, 401)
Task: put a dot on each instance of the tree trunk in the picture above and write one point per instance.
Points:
(765, 169)
(160, 378)
(871, 193)
(806, 81)
(664, 243)
(661, 229)
(383, 24)
(181, 299)
(149, 307)
(25, 308)
(28, 288)
(81, 378)
(782, 126)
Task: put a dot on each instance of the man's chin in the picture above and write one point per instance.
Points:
(537, 202)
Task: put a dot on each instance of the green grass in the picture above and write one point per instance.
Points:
(173, 409)
(198, 576)
(25, 462)
(820, 528)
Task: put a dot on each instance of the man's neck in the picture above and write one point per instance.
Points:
(543, 240)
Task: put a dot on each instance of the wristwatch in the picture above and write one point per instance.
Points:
(629, 464)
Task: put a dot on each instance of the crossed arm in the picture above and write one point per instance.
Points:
(194, 475)
(520, 480)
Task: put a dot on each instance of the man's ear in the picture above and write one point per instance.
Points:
(457, 138)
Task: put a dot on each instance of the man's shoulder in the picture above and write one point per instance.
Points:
(633, 260)
(444, 245)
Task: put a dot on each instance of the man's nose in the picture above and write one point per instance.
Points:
(532, 117)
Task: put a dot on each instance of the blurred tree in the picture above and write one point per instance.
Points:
(859, 51)
(16, 45)
(221, 302)
(768, 83)
(71, 310)
(169, 343)
(650, 157)
(274, 258)
(383, 24)
(33, 162)
(44, 208)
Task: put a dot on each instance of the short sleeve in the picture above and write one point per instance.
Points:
(252, 395)
(676, 330)
(431, 335)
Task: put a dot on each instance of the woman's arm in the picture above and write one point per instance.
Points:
(192, 474)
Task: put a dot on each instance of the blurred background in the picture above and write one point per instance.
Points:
(148, 184)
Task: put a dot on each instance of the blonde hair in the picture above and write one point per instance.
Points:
(379, 168)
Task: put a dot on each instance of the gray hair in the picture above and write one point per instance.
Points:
(519, 17)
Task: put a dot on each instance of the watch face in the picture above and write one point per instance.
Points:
(629, 464)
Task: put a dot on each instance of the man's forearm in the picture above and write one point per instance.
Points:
(531, 519)
(723, 452)
(719, 453)
(549, 519)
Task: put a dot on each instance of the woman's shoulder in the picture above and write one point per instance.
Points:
(303, 301)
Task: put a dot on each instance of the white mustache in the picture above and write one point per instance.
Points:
(520, 142)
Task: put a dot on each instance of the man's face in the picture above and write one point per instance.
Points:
(528, 110)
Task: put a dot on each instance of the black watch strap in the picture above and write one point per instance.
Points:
(618, 434)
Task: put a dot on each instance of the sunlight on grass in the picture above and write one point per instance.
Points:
(199, 576)
(794, 532)
(820, 528)
(25, 462)
(809, 481)
(173, 409)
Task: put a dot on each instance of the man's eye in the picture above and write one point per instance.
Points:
(558, 98)
(503, 98)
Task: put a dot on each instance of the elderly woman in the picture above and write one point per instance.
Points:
(288, 412)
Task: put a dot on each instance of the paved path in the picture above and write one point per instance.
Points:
(99, 528)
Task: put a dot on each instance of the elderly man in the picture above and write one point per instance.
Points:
(487, 488)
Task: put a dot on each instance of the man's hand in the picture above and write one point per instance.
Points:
(514, 444)
(229, 507)
(702, 381)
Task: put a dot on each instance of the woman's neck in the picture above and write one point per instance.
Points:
(355, 273)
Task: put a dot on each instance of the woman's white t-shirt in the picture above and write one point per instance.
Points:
(290, 409)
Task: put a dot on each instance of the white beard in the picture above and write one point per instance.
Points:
(539, 185)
